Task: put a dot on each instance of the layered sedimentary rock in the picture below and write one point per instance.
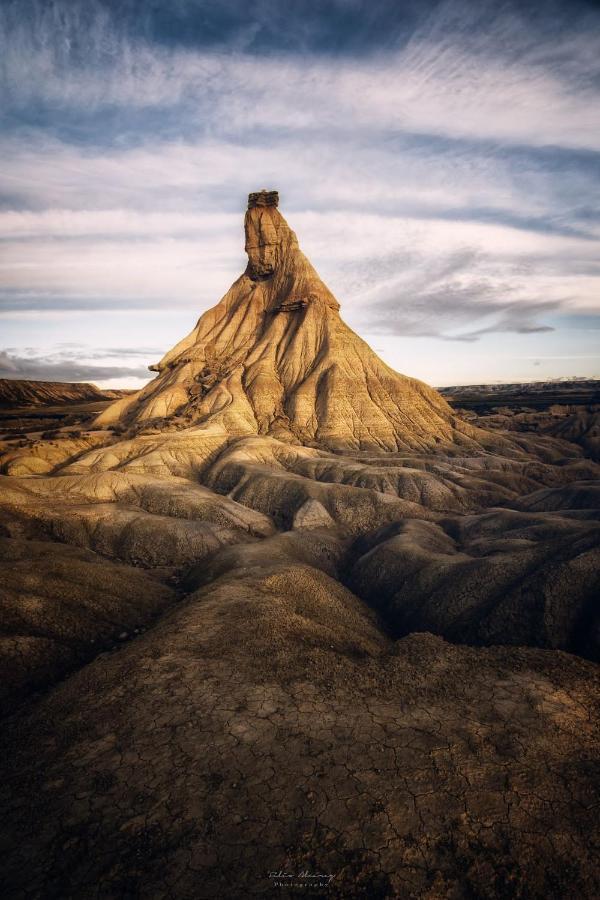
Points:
(273, 357)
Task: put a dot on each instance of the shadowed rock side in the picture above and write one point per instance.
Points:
(503, 577)
(61, 606)
(274, 357)
(581, 427)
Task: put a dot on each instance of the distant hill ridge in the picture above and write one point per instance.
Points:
(16, 392)
(535, 387)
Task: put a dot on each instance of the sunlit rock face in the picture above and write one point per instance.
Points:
(273, 357)
(263, 227)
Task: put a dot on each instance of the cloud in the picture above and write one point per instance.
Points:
(459, 71)
(438, 160)
(450, 309)
(366, 260)
(454, 301)
(7, 364)
(49, 369)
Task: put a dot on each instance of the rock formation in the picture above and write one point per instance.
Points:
(275, 358)
(273, 638)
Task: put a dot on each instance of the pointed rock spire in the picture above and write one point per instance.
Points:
(274, 357)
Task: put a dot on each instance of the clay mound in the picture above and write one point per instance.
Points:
(581, 427)
(274, 358)
(60, 607)
(135, 520)
(266, 724)
(581, 495)
(45, 456)
(502, 577)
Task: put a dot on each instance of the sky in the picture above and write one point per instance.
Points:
(439, 162)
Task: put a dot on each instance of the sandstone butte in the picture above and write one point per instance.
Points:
(274, 358)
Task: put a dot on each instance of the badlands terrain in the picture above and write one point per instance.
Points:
(286, 621)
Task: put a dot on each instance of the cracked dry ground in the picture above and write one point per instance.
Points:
(250, 732)
(267, 723)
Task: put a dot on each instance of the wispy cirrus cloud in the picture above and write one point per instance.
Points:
(42, 368)
(461, 71)
(459, 300)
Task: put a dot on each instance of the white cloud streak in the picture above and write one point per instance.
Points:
(457, 85)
